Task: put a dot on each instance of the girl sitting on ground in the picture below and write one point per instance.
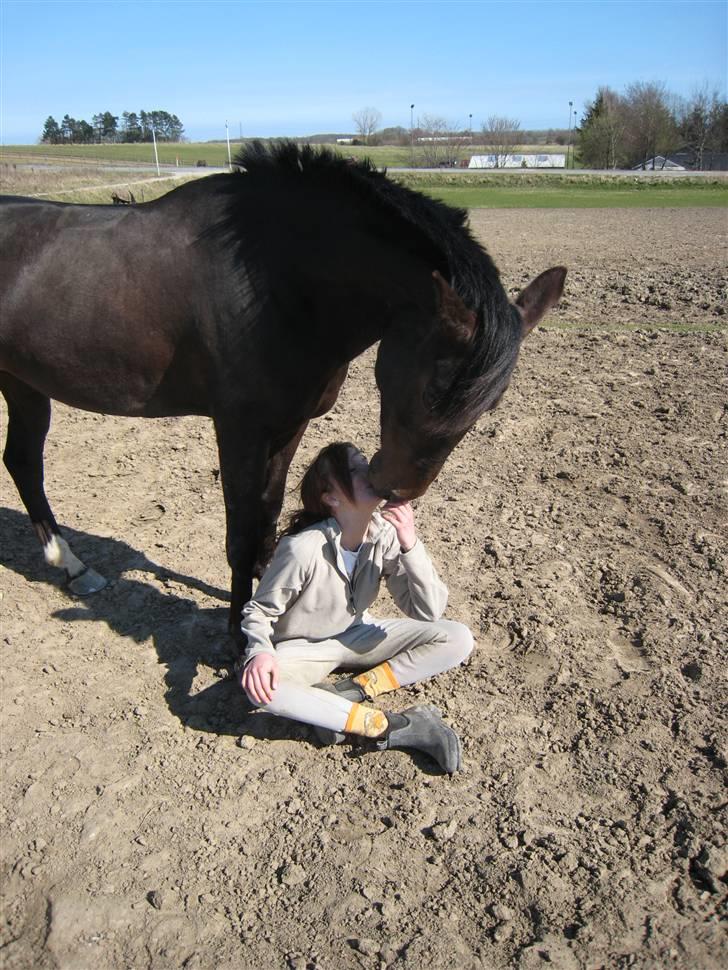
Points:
(309, 616)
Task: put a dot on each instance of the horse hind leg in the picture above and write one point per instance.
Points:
(29, 415)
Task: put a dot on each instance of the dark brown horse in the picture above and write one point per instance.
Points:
(244, 297)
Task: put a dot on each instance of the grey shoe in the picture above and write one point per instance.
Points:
(421, 728)
(347, 689)
(350, 692)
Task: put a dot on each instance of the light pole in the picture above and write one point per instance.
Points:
(156, 156)
(227, 136)
(568, 142)
(412, 126)
(470, 126)
(573, 153)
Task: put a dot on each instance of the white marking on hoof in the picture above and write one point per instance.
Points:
(56, 550)
(81, 580)
(87, 583)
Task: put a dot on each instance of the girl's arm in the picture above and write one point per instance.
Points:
(410, 574)
(277, 591)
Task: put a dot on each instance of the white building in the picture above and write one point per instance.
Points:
(658, 164)
(519, 161)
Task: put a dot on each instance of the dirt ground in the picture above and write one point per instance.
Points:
(151, 820)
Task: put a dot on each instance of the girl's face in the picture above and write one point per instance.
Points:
(365, 498)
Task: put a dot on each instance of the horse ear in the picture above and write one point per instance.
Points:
(539, 296)
(455, 316)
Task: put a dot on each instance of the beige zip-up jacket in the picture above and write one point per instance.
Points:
(306, 592)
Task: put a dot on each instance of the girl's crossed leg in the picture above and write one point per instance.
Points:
(391, 654)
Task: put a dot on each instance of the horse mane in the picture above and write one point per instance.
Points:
(485, 372)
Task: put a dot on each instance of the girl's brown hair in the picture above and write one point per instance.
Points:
(330, 466)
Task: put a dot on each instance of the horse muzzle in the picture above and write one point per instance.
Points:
(394, 486)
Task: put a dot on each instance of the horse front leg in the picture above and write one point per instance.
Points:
(29, 417)
(272, 498)
(243, 460)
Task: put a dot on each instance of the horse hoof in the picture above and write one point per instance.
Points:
(86, 583)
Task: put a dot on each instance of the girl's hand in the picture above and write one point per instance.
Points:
(260, 678)
(400, 515)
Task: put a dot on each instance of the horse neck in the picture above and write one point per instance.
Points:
(375, 284)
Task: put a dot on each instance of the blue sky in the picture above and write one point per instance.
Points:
(296, 68)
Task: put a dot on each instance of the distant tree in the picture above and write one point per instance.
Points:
(552, 136)
(67, 124)
(145, 125)
(70, 131)
(394, 136)
(156, 121)
(501, 138)
(176, 129)
(85, 133)
(97, 123)
(719, 138)
(649, 122)
(437, 142)
(367, 120)
(703, 125)
(600, 139)
(167, 127)
(171, 126)
(75, 137)
(51, 132)
(109, 124)
(131, 129)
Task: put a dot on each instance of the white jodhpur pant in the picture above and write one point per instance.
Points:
(414, 649)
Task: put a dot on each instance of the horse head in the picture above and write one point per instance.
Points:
(436, 380)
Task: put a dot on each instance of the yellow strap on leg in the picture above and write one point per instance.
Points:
(366, 721)
(377, 681)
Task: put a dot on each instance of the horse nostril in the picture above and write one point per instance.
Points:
(384, 493)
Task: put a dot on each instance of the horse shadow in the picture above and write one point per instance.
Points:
(186, 637)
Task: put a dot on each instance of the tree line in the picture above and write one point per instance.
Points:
(106, 127)
(435, 142)
(367, 122)
(630, 130)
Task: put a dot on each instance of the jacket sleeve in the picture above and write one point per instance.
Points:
(413, 582)
(278, 589)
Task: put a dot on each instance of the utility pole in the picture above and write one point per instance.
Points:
(156, 157)
(568, 143)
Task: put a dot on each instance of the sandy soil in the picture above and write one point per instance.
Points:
(151, 820)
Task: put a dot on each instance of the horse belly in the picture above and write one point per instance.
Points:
(84, 331)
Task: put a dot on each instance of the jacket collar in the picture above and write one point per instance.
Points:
(332, 530)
